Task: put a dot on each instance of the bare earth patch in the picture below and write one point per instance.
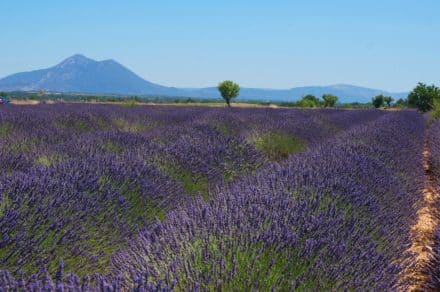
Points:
(25, 102)
(418, 275)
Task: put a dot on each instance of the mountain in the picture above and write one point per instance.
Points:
(79, 74)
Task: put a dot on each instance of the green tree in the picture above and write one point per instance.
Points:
(329, 100)
(401, 103)
(422, 97)
(229, 90)
(309, 101)
(388, 100)
(378, 101)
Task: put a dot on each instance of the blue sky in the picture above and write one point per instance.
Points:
(388, 44)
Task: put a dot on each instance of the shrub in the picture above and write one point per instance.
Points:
(422, 97)
(309, 101)
(378, 101)
(329, 100)
(436, 109)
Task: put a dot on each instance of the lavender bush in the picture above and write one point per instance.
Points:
(434, 163)
(158, 198)
(336, 217)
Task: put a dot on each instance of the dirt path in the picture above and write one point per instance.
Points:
(419, 272)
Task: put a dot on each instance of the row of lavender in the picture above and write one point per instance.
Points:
(78, 181)
(334, 217)
(337, 217)
(434, 163)
(434, 149)
(30, 135)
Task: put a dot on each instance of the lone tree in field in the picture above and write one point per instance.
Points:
(329, 100)
(378, 101)
(229, 90)
(423, 96)
(388, 100)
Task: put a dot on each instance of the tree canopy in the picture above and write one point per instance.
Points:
(229, 90)
(436, 109)
(401, 103)
(423, 96)
(378, 101)
(329, 100)
(309, 101)
(388, 100)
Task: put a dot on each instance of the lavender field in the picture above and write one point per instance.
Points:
(158, 198)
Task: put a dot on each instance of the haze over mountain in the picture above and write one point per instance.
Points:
(79, 74)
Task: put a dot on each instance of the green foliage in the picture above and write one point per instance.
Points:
(48, 160)
(79, 125)
(224, 128)
(436, 109)
(141, 208)
(128, 126)
(113, 147)
(278, 146)
(6, 128)
(194, 184)
(229, 90)
(309, 101)
(401, 103)
(378, 101)
(388, 100)
(253, 266)
(4, 203)
(129, 103)
(422, 97)
(136, 100)
(329, 100)
(288, 104)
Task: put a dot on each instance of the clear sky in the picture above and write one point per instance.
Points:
(386, 44)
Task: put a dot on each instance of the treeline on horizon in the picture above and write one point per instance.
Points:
(133, 99)
(422, 97)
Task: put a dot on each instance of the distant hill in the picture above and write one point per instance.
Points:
(80, 74)
(346, 93)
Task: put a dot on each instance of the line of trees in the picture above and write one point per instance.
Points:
(328, 100)
(382, 100)
(230, 90)
(423, 97)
